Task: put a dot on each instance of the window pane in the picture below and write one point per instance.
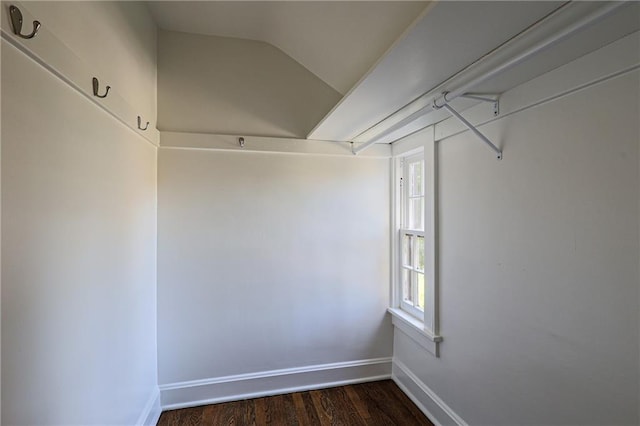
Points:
(406, 285)
(406, 249)
(418, 253)
(416, 215)
(414, 288)
(416, 187)
(420, 302)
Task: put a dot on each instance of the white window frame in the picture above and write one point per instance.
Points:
(421, 326)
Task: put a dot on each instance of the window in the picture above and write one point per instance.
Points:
(414, 295)
(412, 234)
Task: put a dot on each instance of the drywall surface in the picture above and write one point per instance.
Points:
(211, 84)
(0, 242)
(538, 262)
(270, 261)
(350, 35)
(79, 257)
(116, 39)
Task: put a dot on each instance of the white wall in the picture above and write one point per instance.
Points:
(0, 240)
(538, 261)
(116, 39)
(268, 262)
(233, 86)
(79, 239)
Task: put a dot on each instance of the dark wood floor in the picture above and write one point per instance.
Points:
(376, 403)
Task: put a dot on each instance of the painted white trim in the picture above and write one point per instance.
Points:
(48, 51)
(415, 329)
(426, 397)
(416, 401)
(274, 382)
(151, 412)
(396, 212)
(274, 373)
(410, 144)
(265, 144)
(432, 305)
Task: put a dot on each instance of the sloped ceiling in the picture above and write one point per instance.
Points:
(338, 41)
(233, 86)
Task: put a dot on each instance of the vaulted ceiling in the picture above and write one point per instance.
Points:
(338, 41)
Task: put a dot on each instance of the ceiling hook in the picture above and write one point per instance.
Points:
(95, 89)
(16, 23)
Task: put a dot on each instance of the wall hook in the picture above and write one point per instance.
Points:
(241, 142)
(140, 124)
(16, 23)
(95, 89)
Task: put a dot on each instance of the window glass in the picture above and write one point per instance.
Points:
(416, 216)
(419, 254)
(420, 290)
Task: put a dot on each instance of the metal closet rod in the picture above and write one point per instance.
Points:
(441, 98)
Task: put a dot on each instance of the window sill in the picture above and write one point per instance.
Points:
(414, 328)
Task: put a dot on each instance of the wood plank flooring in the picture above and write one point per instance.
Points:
(375, 403)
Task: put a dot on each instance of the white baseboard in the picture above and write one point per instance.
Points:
(426, 399)
(152, 410)
(274, 382)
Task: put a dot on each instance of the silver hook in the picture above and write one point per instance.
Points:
(16, 23)
(95, 89)
(140, 124)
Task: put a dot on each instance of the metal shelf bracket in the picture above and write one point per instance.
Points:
(491, 98)
(471, 127)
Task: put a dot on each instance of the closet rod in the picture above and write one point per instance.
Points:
(587, 20)
(441, 98)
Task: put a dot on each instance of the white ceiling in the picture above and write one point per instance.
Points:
(451, 36)
(339, 41)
